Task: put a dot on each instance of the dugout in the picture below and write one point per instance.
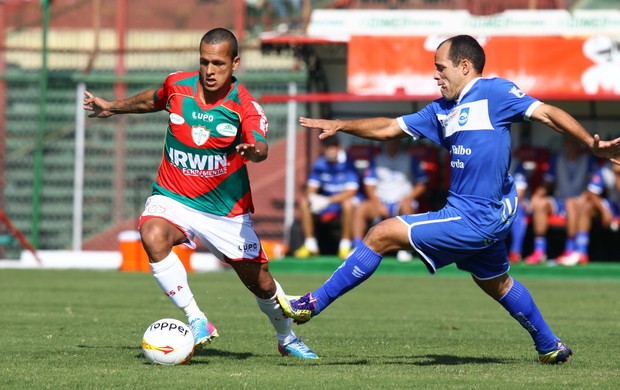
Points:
(365, 63)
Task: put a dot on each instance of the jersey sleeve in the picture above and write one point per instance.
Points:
(422, 124)
(314, 179)
(352, 181)
(597, 183)
(162, 94)
(254, 123)
(370, 174)
(513, 105)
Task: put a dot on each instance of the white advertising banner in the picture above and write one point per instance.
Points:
(340, 25)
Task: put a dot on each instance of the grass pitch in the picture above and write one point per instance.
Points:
(400, 329)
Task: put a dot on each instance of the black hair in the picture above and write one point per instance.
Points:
(466, 47)
(330, 141)
(221, 35)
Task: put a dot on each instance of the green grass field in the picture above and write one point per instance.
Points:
(401, 329)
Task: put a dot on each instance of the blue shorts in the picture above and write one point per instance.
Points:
(443, 237)
(558, 206)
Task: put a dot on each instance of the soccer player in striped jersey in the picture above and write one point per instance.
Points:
(472, 121)
(215, 128)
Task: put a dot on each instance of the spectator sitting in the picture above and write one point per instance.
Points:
(393, 183)
(519, 226)
(570, 173)
(602, 199)
(330, 193)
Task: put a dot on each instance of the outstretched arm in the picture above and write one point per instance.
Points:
(143, 102)
(372, 128)
(562, 122)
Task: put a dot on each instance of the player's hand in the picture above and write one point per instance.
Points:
(252, 152)
(328, 127)
(97, 105)
(606, 149)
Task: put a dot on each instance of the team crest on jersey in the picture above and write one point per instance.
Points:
(200, 135)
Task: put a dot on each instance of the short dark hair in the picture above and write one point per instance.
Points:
(330, 141)
(221, 35)
(466, 47)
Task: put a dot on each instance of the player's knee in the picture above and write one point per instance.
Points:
(262, 288)
(381, 238)
(156, 242)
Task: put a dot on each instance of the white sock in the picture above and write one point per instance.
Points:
(311, 244)
(345, 244)
(171, 277)
(281, 324)
(193, 311)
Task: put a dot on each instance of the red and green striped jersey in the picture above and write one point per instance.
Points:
(200, 166)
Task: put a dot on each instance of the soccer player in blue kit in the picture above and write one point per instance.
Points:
(472, 120)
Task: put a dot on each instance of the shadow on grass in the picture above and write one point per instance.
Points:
(108, 347)
(449, 360)
(211, 353)
(423, 360)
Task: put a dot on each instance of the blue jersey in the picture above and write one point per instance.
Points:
(605, 183)
(334, 178)
(475, 129)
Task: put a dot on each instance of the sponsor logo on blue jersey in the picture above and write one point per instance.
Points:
(463, 116)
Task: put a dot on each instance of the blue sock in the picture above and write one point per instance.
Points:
(582, 241)
(356, 269)
(517, 231)
(357, 242)
(521, 307)
(540, 244)
(570, 244)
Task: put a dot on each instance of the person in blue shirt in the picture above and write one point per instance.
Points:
(560, 195)
(472, 121)
(330, 194)
(601, 200)
(393, 183)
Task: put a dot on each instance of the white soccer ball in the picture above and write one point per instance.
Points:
(168, 342)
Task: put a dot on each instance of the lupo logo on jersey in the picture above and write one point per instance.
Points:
(463, 116)
(200, 135)
(201, 116)
(249, 247)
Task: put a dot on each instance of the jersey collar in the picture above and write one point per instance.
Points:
(466, 89)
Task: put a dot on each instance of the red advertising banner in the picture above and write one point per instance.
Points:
(544, 67)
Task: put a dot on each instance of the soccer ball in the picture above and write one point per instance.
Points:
(169, 342)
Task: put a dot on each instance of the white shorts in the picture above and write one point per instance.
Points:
(230, 237)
